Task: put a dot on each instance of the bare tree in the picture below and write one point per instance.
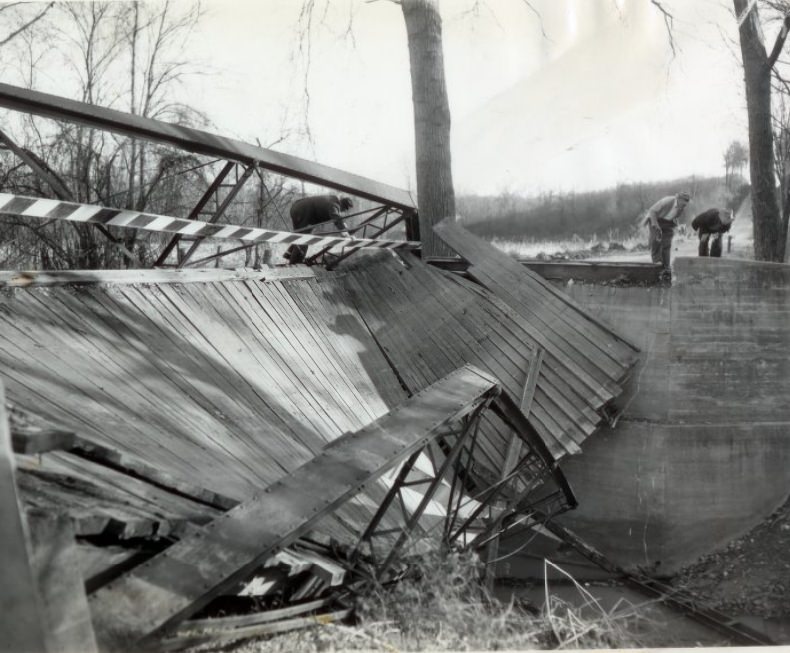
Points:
(127, 54)
(758, 65)
(435, 192)
(17, 15)
(735, 158)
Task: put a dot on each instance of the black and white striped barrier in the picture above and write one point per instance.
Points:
(59, 210)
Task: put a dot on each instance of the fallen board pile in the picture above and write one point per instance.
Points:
(147, 414)
(428, 322)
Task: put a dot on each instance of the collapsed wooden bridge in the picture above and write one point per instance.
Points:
(175, 440)
(190, 429)
(178, 437)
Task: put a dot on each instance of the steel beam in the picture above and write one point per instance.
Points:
(220, 211)
(200, 142)
(353, 249)
(195, 212)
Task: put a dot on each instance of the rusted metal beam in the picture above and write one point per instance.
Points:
(353, 249)
(220, 210)
(199, 142)
(318, 255)
(195, 212)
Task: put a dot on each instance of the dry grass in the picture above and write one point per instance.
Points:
(446, 608)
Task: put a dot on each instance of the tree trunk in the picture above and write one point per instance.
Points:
(768, 245)
(436, 197)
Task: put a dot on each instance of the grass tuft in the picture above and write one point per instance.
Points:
(445, 607)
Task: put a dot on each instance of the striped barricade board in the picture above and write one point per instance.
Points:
(49, 209)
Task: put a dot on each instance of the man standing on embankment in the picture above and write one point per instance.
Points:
(662, 220)
(710, 225)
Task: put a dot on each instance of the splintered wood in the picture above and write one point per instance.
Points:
(191, 572)
(427, 321)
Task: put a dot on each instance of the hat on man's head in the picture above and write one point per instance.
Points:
(684, 196)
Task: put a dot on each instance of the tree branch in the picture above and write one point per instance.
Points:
(29, 23)
(779, 44)
(540, 18)
(669, 21)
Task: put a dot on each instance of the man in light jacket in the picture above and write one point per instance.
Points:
(662, 220)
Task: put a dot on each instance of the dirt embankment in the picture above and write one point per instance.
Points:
(751, 576)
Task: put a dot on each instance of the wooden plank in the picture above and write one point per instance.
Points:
(130, 489)
(223, 623)
(267, 627)
(268, 355)
(30, 441)
(594, 346)
(131, 466)
(54, 342)
(348, 350)
(21, 608)
(91, 509)
(531, 382)
(209, 324)
(26, 279)
(61, 585)
(414, 343)
(95, 358)
(559, 416)
(190, 573)
(333, 377)
(305, 364)
(554, 301)
(342, 317)
(597, 392)
(221, 394)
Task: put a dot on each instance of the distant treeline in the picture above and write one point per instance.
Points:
(600, 213)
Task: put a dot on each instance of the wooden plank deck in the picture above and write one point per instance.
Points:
(427, 321)
(187, 575)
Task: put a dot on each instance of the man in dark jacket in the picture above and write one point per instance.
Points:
(710, 225)
(309, 212)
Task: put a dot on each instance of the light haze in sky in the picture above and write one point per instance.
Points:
(575, 95)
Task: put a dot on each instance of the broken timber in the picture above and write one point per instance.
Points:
(185, 577)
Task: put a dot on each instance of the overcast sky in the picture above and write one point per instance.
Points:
(584, 96)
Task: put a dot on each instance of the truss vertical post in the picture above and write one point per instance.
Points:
(471, 420)
(383, 210)
(195, 212)
(388, 499)
(384, 229)
(513, 453)
(221, 209)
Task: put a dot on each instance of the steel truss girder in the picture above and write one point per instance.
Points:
(533, 470)
(198, 208)
(234, 190)
(465, 434)
(382, 212)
